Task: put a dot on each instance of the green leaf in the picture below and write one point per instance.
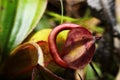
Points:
(90, 74)
(58, 17)
(17, 19)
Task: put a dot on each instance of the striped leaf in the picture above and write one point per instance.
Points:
(17, 19)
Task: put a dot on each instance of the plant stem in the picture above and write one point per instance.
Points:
(92, 66)
(61, 11)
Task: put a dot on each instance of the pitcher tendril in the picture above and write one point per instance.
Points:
(61, 3)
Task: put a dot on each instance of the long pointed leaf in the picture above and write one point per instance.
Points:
(18, 19)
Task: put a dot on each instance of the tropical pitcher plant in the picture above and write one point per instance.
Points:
(68, 46)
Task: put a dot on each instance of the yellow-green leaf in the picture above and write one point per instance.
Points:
(17, 19)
